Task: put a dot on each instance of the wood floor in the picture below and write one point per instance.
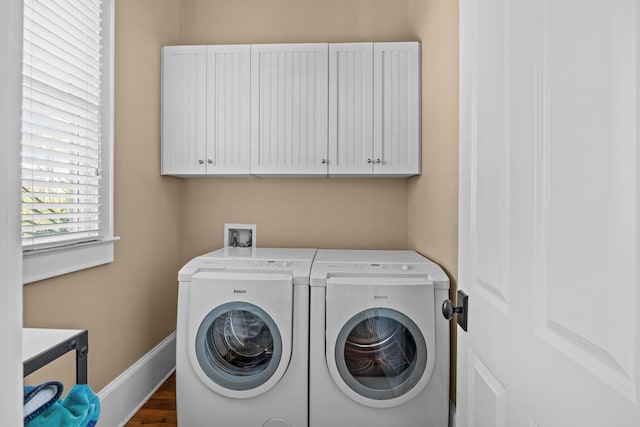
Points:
(160, 410)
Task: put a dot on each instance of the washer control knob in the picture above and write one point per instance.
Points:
(405, 267)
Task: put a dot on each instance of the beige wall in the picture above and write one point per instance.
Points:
(129, 305)
(358, 214)
(433, 196)
(292, 21)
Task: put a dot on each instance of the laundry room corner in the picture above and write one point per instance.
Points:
(433, 196)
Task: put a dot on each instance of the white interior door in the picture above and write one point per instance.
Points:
(549, 213)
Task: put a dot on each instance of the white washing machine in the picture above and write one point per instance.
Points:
(242, 339)
(379, 347)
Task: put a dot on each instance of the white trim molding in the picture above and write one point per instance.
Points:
(126, 394)
(45, 263)
(10, 250)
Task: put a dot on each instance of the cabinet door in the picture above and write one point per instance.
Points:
(183, 110)
(396, 94)
(289, 84)
(350, 108)
(228, 110)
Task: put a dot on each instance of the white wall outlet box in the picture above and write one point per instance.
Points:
(240, 239)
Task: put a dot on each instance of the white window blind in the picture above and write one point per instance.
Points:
(61, 143)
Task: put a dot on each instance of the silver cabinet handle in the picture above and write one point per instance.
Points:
(210, 161)
(200, 161)
(369, 161)
(378, 161)
(324, 161)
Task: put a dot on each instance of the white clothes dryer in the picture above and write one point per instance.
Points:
(379, 350)
(242, 339)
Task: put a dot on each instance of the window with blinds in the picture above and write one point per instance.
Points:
(61, 123)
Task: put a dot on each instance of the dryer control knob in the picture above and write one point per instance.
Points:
(284, 264)
(405, 267)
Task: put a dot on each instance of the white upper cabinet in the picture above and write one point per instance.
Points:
(289, 109)
(184, 106)
(374, 109)
(205, 110)
(350, 108)
(396, 108)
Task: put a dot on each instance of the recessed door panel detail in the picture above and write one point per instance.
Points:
(490, 152)
(587, 217)
(488, 398)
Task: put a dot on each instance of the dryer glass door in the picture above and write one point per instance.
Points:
(381, 353)
(238, 346)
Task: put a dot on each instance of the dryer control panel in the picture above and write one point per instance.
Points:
(378, 267)
(371, 264)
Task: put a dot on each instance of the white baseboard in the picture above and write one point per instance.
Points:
(126, 394)
(452, 414)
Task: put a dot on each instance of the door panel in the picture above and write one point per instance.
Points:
(184, 106)
(228, 108)
(490, 154)
(489, 396)
(289, 92)
(350, 108)
(396, 109)
(549, 213)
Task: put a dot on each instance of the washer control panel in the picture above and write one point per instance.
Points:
(261, 264)
(296, 268)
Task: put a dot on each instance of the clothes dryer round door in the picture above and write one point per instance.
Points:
(240, 348)
(379, 355)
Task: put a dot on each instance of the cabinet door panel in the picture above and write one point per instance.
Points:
(183, 109)
(228, 109)
(289, 85)
(350, 108)
(396, 108)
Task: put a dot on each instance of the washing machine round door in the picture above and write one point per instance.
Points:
(381, 354)
(238, 346)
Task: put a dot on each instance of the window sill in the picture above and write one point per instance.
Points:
(46, 263)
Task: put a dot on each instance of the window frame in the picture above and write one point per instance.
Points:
(45, 263)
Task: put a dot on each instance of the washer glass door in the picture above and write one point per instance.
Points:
(381, 354)
(238, 346)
